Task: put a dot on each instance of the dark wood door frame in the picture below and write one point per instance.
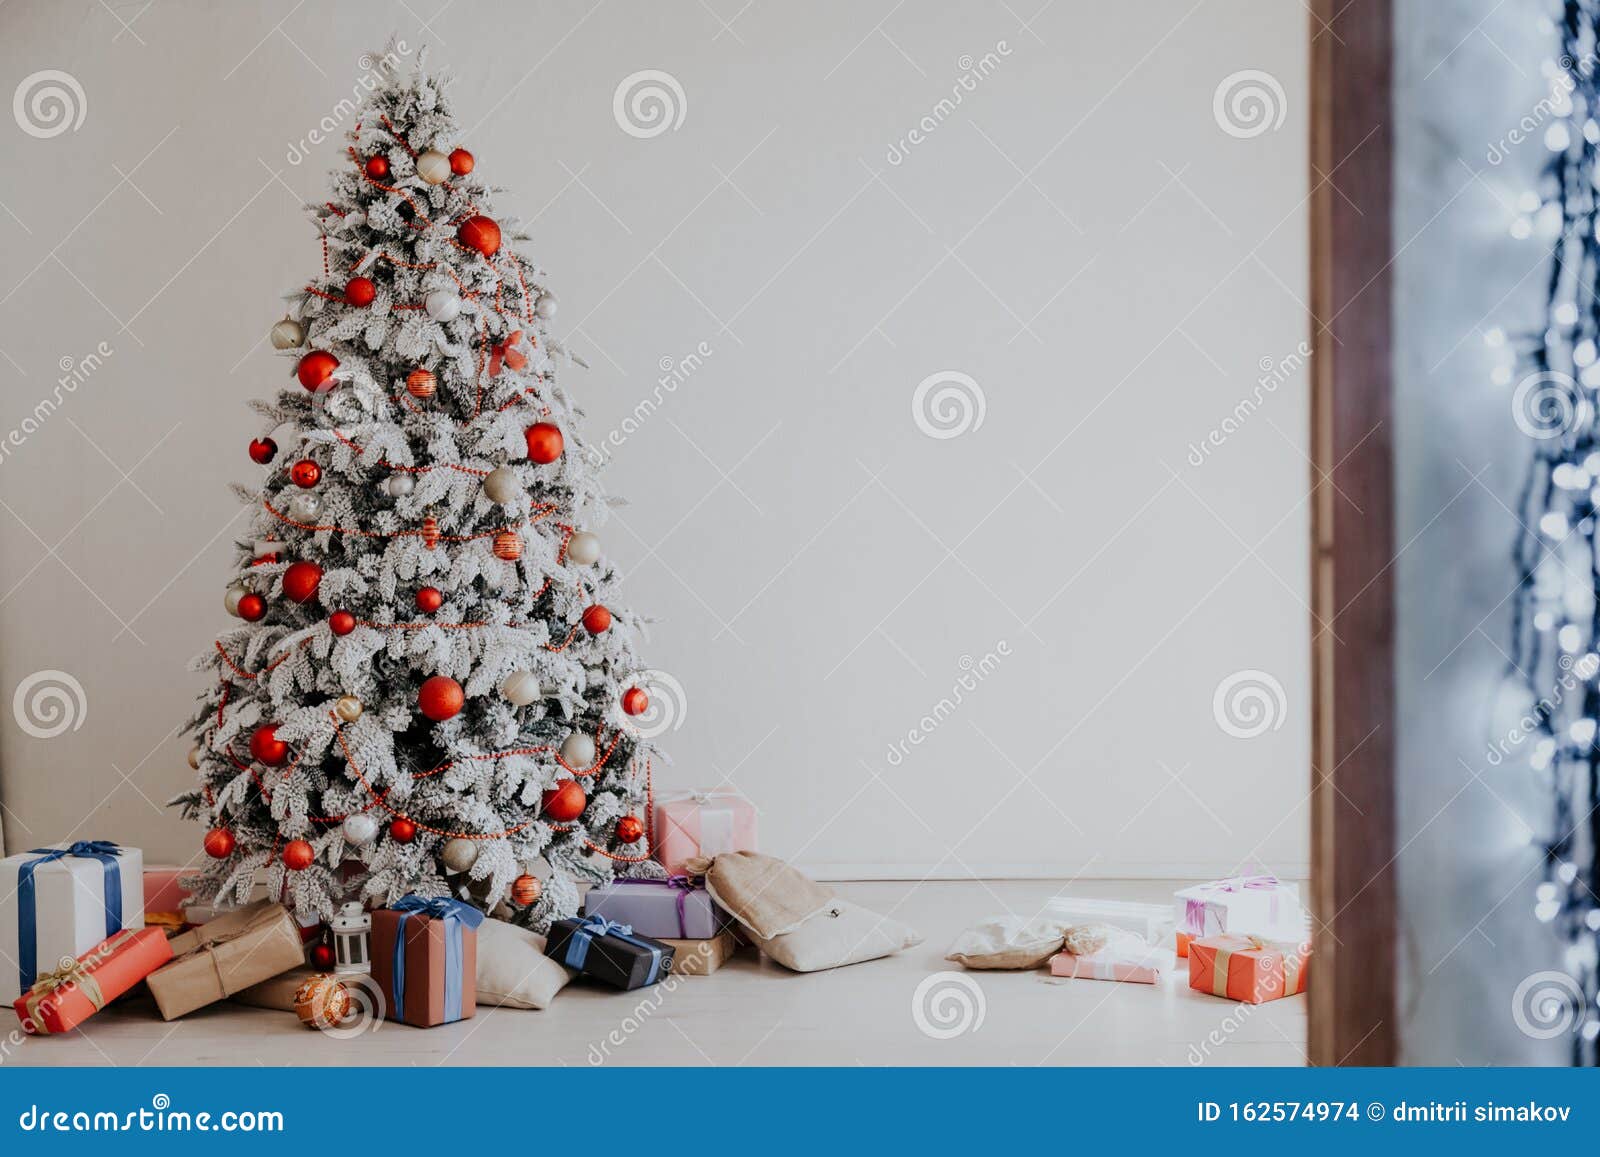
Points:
(1353, 991)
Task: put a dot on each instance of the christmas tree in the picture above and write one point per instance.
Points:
(431, 686)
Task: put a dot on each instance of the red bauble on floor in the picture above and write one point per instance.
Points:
(565, 802)
(262, 450)
(252, 608)
(402, 829)
(480, 233)
(341, 622)
(634, 701)
(267, 748)
(219, 843)
(429, 599)
(316, 368)
(544, 442)
(597, 620)
(298, 855)
(301, 580)
(440, 698)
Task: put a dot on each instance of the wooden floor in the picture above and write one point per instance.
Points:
(753, 1012)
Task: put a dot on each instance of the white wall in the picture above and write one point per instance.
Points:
(1467, 867)
(1079, 236)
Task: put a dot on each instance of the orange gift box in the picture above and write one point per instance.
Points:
(1184, 940)
(1247, 968)
(64, 999)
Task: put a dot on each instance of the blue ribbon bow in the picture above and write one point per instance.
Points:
(456, 915)
(27, 903)
(592, 927)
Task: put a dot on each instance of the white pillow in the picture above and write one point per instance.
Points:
(843, 933)
(512, 968)
(1007, 942)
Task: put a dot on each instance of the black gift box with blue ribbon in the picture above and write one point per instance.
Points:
(609, 952)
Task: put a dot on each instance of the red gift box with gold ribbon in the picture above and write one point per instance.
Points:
(1248, 968)
(65, 998)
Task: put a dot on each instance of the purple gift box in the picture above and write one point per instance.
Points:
(674, 909)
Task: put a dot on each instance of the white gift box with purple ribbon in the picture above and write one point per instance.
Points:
(672, 909)
(1239, 905)
(60, 901)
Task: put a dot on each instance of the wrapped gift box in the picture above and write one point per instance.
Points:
(701, 957)
(1150, 921)
(425, 959)
(58, 902)
(702, 824)
(609, 952)
(660, 909)
(276, 992)
(1240, 905)
(1247, 968)
(65, 997)
(1143, 967)
(225, 955)
(162, 892)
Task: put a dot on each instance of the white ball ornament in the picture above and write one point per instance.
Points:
(304, 507)
(521, 688)
(230, 600)
(194, 758)
(459, 855)
(399, 484)
(433, 167)
(442, 305)
(583, 548)
(500, 485)
(546, 306)
(578, 750)
(288, 334)
(359, 829)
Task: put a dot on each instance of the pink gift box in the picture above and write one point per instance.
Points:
(702, 823)
(162, 892)
(1107, 966)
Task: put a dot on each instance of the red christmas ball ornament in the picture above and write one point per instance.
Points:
(360, 291)
(305, 474)
(297, 855)
(341, 623)
(508, 545)
(544, 442)
(421, 383)
(430, 532)
(440, 698)
(630, 829)
(634, 701)
(430, 599)
(402, 829)
(301, 580)
(219, 843)
(321, 957)
(480, 233)
(316, 368)
(525, 890)
(461, 162)
(267, 748)
(252, 608)
(262, 450)
(597, 620)
(377, 168)
(565, 802)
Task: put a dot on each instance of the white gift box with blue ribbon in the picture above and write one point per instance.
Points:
(61, 900)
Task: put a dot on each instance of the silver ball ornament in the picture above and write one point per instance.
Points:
(459, 855)
(521, 688)
(230, 599)
(583, 548)
(500, 485)
(442, 305)
(359, 829)
(433, 167)
(304, 507)
(399, 484)
(578, 750)
(288, 334)
(348, 708)
(546, 305)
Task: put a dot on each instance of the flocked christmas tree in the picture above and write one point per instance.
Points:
(432, 684)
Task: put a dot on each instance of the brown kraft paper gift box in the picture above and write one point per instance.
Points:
(225, 955)
(425, 947)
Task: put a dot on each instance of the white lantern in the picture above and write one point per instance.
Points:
(352, 930)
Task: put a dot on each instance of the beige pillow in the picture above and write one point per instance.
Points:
(843, 933)
(513, 970)
(1007, 942)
